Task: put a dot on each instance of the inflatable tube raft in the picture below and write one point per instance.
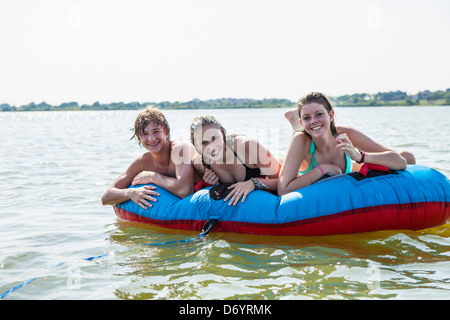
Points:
(413, 199)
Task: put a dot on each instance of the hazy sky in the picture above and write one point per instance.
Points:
(176, 50)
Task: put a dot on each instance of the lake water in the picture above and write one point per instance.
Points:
(54, 167)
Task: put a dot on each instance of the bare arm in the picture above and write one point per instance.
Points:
(119, 192)
(266, 162)
(182, 185)
(289, 179)
(375, 153)
(270, 166)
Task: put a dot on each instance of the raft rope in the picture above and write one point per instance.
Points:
(207, 228)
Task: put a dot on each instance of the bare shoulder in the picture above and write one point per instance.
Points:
(183, 149)
(242, 140)
(353, 134)
(179, 144)
(141, 160)
(299, 146)
(301, 139)
(136, 166)
(361, 140)
(347, 130)
(245, 145)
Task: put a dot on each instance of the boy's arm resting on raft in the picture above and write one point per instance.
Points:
(182, 185)
(119, 191)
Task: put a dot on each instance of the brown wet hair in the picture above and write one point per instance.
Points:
(149, 115)
(320, 98)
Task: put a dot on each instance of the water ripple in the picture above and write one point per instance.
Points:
(56, 170)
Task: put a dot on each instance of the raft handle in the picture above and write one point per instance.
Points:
(208, 226)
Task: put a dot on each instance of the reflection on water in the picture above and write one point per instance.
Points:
(56, 165)
(385, 264)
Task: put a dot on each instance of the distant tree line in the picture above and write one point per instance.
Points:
(392, 98)
(193, 104)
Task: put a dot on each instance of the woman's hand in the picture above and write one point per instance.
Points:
(143, 177)
(210, 177)
(143, 195)
(240, 189)
(344, 143)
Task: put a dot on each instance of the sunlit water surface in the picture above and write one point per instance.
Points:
(56, 165)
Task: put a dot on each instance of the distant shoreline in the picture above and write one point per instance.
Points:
(381, 99)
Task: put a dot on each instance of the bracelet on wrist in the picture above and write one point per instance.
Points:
(320, 168)
(254, 182)
(363, 155)
(258, 184)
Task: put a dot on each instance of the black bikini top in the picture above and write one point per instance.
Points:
(249, 172)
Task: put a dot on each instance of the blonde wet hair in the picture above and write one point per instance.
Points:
(203, 121)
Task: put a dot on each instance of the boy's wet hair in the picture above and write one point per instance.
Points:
(148, 115)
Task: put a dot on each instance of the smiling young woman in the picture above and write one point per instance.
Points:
(321, 148)
(236, 159)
